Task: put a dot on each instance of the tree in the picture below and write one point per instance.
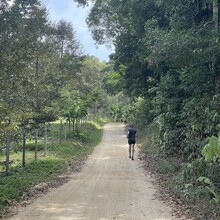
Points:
(22, 25)
(56, 66)
(66, 38)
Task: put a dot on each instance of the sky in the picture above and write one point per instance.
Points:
(69, 11)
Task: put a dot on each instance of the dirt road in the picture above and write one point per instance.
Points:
(110, 186)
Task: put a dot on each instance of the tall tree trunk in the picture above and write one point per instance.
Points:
(215, 13)
(216, 78)
(37, 102)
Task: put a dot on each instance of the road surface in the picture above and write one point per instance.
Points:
(110, 186)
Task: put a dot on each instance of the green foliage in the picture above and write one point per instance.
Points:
(150, 138)
(195, 169)
(92, 133)
(202, 172)
(49, 77)
(113, 83)
(211, 151)
(30, 88)
(119, 107)
(22, 25)
(204, 190)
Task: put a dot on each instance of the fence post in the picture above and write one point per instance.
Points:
(45, 140)
(61, 128)
(7, 153)
(52, 135)
(69, 122)
(76, 123)
(36, 146)
(24, 148)
(65, 130)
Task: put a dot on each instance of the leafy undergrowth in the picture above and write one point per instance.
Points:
(188, 203)
(23, 184)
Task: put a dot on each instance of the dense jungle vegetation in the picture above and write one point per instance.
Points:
(164, 77)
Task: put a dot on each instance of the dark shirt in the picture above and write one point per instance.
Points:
(131, 134)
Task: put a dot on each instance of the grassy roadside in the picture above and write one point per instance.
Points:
(193, 203)
(46, 169)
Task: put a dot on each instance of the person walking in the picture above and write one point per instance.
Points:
(131, 141)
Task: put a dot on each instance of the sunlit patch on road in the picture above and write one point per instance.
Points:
(101, 158)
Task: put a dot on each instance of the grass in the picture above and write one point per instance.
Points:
(13, 186)
(46, 167)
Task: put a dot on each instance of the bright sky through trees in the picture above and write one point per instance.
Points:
(69, 11)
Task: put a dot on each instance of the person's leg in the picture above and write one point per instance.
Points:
(129, 150)
(132, 149)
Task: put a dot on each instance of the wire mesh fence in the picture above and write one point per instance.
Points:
(31, 144)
